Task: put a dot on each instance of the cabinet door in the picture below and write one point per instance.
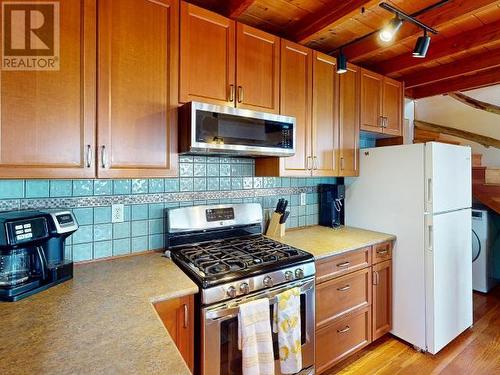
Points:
(371, 101)
(349, 122)
(382, 299)
(296, 92)
(177, 316)
(137, 88)
(257, 69)
(47, 118)
(207, 68)
(393, 106)
(325, 128)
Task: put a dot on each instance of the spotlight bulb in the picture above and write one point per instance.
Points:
(388, 32)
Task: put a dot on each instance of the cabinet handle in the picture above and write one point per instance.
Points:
(240, 94)
(231, 93)
(382, 252)
(381, 121)
(104, 161)
(186, 315)
(344, 330)
(88, 156)
(341, 163)
(308, 163)
(386, 122)
(344, 288)
(315, 162)
(343, 265)
(376, 278)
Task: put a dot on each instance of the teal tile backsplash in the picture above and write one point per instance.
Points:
(205, 180)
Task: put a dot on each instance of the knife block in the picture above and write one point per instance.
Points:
(275, 229)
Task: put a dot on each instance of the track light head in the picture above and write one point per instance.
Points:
(422, 45)
(341, 63)
(388, 32)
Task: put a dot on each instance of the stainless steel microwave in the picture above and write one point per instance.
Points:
(212, 129)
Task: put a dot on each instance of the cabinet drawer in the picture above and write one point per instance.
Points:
(382, 252)
(342, 338)
(341, 264)
(342, 295)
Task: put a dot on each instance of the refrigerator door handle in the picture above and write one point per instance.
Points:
(429, 190)
(429, 237)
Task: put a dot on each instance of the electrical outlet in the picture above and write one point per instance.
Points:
(302, 199)
(117, 213)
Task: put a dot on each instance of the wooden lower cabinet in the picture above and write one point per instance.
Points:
(382, 299)
(177, 315)
(342, 338)
(353, 302)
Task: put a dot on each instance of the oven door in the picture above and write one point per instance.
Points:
(219, 341)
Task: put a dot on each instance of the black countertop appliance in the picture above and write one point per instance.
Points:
(331, 205)
(33, 256)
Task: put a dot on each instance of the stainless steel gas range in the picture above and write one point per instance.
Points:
(221, 247)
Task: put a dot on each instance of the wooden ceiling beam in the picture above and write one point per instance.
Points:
(329, 16)
(482, 79)
(484, 35)
(474, 103)
(437, 18)
(236, 8)
(469, 64)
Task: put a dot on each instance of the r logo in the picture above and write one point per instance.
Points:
(30, 35)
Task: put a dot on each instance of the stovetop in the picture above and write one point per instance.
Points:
(216, 262)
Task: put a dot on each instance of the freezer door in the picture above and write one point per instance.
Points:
(448, 281)
(448, 177)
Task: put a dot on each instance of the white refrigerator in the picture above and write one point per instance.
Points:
(422, 194)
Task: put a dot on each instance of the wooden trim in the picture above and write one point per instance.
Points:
(445, 47)
(482, 79)
(438, 18)
(481, 139)
(328, 17)
(474, 103)
(236, 8)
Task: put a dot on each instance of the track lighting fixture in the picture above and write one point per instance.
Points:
(341, 63)
(422, 45)
(388, 32)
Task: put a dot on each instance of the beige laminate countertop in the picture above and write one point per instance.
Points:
(101, 322)
(323, 241)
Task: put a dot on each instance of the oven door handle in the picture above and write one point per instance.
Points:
(233, 311)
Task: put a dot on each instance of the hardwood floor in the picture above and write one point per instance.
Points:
(476, 351)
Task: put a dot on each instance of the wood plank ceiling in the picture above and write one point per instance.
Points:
(464, 55)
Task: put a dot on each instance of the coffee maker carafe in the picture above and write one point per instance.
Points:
(32, 251)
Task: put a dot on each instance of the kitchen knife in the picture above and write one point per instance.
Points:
(279, 206)
(284, 217)
(285, 205)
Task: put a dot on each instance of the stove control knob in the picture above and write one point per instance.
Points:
(288, 275)
(231, 291)
(299, 273)
(268, 281)
(244, 288)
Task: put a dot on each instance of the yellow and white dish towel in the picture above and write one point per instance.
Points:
(255, 338)
(286, 322)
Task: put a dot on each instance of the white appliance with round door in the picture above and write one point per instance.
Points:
(482, 251)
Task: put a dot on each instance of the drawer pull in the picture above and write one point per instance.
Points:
(344, 288)
(344, 330)
(343, 265)
(186, 316)
(382, 252)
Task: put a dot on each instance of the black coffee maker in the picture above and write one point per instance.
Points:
(32, 251)
(331, 205)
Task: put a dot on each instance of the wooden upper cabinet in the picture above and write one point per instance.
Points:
(207, 56)
(296, 95)
(371, 101)
(257, 69)
(325, 115)
(382, 299)
(349, 122)
(137, 88)
(392, 106)
(47, 118)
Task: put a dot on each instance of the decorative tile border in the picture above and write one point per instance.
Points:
(99, 201)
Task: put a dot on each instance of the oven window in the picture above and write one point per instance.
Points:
(223, 128)
(230, 361)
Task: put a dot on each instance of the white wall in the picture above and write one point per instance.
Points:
(443, 110)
